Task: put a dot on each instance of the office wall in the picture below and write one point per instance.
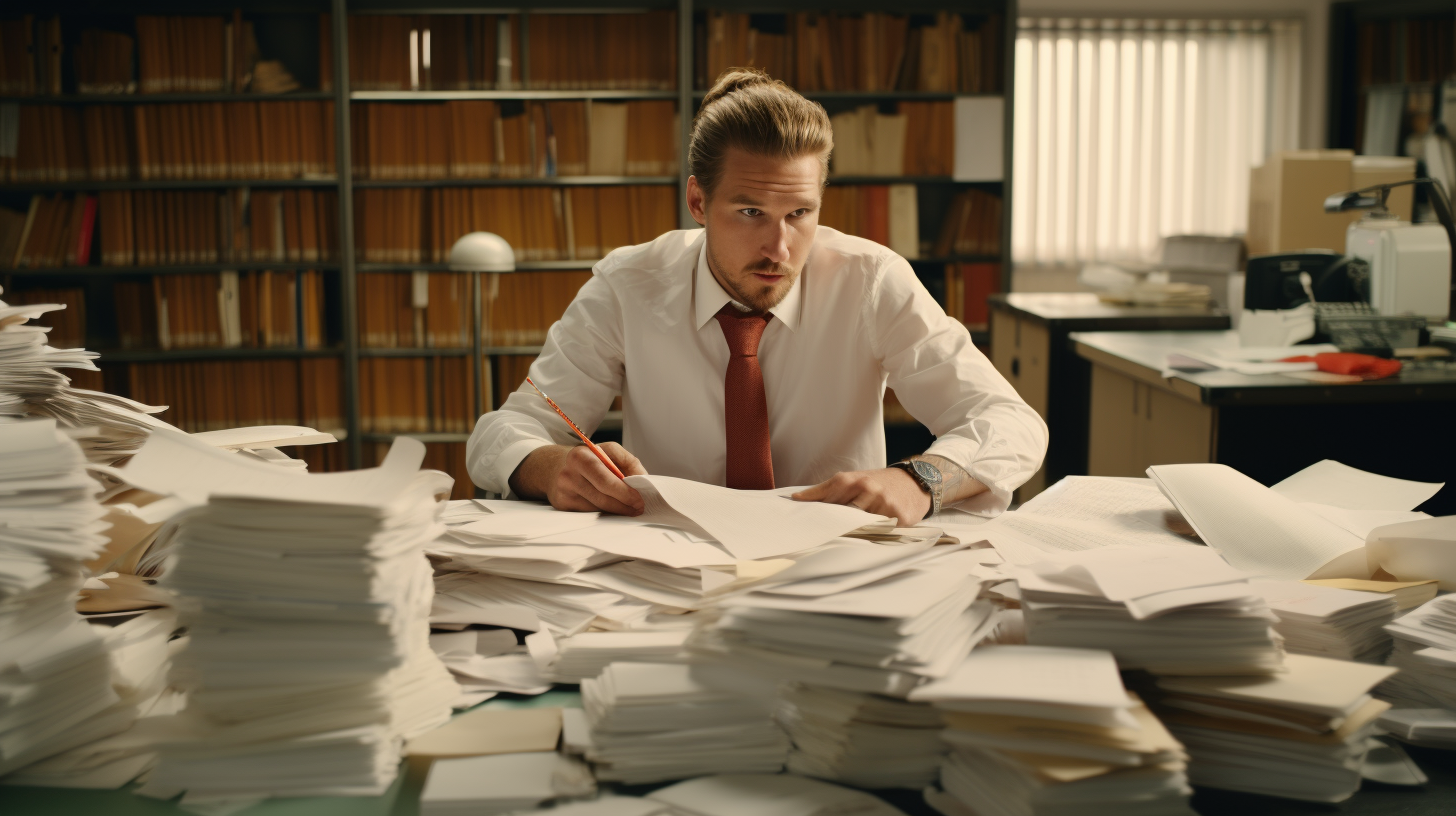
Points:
(1315, 13)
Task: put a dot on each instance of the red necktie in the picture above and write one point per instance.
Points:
(745, 403)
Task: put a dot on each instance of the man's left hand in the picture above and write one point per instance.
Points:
(887, 491)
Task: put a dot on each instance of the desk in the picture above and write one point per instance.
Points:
(1267, 426)
(1029, 347)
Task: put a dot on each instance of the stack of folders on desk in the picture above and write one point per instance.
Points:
(306, 600)
(1301, 734)
(1320, 620)
(501, 783)
(1046, 731)
(1424, 692)
(1168, 610)
(55, 675)
(589, 653)
(864, 740)
(851, 617)
(652, 722)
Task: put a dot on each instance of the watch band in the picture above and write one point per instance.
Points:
(930, 486)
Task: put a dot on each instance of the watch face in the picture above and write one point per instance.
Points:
(926, 471)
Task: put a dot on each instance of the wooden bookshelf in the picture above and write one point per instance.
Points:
(312, 41)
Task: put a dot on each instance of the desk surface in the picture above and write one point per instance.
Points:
(1083, 311)
(1144, 355)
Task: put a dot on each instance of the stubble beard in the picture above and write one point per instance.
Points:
(763, 301)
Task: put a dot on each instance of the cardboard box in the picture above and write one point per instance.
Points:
(1287, 201)
(1368, 170)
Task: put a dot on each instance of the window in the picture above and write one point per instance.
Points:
(1130, 130)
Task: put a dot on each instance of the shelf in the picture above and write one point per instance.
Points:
(415, 352)
(537, 6)
(530, 181)
(947, 259)
(521, 266)
(523, 94)
(423, 437)
(511, 351)
(141, 99)
(169, 269)
(173, 355)
(159, 184)
(904, 180)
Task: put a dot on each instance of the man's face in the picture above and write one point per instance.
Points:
(761, 220)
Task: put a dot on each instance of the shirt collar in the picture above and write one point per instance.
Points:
(709, 296)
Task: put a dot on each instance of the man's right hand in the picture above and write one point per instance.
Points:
(573, 478)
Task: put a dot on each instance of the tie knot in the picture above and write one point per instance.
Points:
(742, 331)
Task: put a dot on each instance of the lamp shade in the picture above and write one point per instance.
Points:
(482, 252)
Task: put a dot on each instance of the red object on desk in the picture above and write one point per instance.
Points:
(1359, 365)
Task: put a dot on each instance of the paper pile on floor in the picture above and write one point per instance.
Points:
(306, 599)
(864, 740)
(55, 673)
(877, 618)
(1328, 622)
(1168, 610)
(1043, 730)
(1424, 691)
(1301, 734)
(652, 722)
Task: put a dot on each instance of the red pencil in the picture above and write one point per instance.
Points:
(590, 444)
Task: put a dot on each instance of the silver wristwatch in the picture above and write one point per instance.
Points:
(928, 477)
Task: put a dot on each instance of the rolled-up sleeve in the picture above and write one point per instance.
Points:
(580, 366)
(943, 380)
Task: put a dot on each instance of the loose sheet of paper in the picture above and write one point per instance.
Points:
(1043, 674)
(1339, 485)
(748, 523)
(1257, 530)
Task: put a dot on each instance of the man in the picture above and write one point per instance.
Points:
(755, 352)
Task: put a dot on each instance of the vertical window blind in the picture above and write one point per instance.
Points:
(1130, 130)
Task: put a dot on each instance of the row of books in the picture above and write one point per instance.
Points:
(416, 394)
(415, 225)
(253, 309)
(884, 213)
(483, 139)
(520, 307)
(972, 225)
(634, 51)
(172, 54)
(446, 457)
(416, 310)
(154, 227)
(917, 140)
(188, 140)
(434, 52)
(211, 395)
(815, 51)
(967, 286)
(1406, 50)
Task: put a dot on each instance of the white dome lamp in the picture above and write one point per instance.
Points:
(482, 252)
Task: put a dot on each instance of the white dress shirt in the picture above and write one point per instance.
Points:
(856, 320)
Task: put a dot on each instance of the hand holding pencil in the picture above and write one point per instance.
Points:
(583, 477)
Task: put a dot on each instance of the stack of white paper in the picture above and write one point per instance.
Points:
(861, 739)
(1169, 610)
(141, 650)
(306, 599)
(55, 676)
(1329, 622)
(1431, 727)
(1425, 653)
(500, 783)
(31, 385)
(652, 722)
(589, 653)
(761, 795)
(1301, 734)
(486, 662)
(857, 617)
(1043, 730)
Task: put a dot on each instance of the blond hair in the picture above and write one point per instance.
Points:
(754, 112)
